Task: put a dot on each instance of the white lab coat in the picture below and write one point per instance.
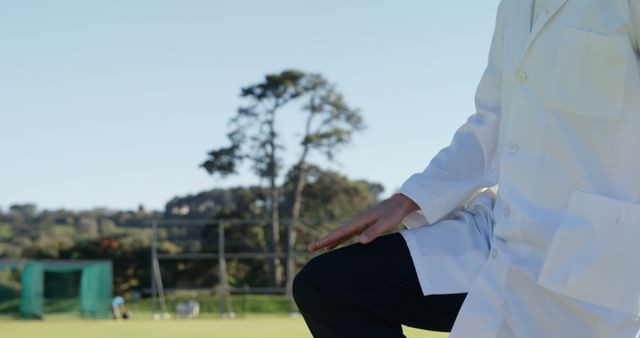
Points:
(557, 128)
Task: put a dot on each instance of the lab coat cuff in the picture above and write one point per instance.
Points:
(430, 208)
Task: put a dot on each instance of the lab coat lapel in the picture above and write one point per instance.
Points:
(550, 9)
(520, 21)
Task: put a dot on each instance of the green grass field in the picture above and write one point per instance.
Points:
(250, 327)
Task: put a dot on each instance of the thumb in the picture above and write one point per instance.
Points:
(372, 232)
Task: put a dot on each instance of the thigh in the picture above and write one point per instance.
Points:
(380, 278)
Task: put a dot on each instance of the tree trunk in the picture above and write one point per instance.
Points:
(291, 229)
(300, 183)
(295, 211)
(275, 266)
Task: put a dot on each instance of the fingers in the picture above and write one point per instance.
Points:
(369, 224)
(334, 238)
(393, 211)
(341, 234)
(374, 231)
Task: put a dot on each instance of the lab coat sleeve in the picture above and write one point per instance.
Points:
(470, 162)
(634, 6)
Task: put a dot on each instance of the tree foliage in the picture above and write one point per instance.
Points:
(254, 137)
(122, 237)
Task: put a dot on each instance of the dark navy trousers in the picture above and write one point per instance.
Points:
(369, 291)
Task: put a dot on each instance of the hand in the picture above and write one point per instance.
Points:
(369, 224)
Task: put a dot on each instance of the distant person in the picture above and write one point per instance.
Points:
(557, 128)
(118, 309)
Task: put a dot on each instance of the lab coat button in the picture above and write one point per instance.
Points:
(494, 253)
(522, 76)
(513, 148)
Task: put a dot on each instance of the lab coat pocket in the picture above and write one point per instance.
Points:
(594, 254)
(589, 75)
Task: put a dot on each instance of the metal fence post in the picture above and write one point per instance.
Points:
(291, 266)
(223, 287)
(152, 270)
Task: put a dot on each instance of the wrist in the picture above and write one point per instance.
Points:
(404, 203)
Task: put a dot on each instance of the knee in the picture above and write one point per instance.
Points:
(306, 284)
(300, 288)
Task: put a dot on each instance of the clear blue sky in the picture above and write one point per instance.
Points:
(112, 103)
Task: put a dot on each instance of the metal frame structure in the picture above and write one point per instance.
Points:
(223, 290)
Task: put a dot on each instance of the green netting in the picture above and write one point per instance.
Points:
(95, 291)
(61, 291)
(60, 279)
(32, 282)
